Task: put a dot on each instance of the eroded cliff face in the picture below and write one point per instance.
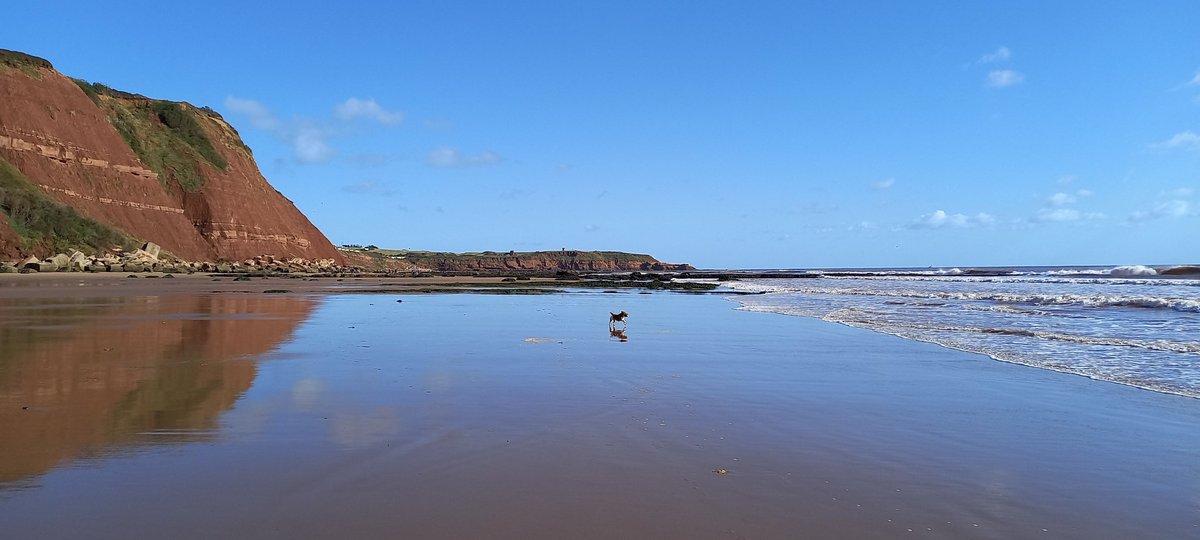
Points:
(201, 196)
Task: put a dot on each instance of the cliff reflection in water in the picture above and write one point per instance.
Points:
(82, 378)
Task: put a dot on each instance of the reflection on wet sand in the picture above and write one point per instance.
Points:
(83, 378)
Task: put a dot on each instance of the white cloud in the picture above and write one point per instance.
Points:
(445, 157)
(306, 139)
(1060, 199)
(1066, 215)
(1058, 214)
(1063, 199)
(1195, 80)
(1001, 54)
(884, 184)
(1185, 140)
(940, 219)
(355, 108)
(309, 145)
(1067, 179)
(259, 115)
(1174, 208)
(591, 228)
(1004, 77)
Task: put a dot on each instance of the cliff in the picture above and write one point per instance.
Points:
(511, 261)
(89, 167)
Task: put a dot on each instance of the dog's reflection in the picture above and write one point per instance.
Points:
(618, 334)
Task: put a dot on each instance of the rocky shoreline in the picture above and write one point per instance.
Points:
(151, 261)
(151, 258)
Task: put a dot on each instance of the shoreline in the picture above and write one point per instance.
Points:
(992, 356)
(42, 285)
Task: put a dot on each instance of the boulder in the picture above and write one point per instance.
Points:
(7, 269)
(152, 249)
(140, 256)
(61, 261)
(135, 267)
(31, 262)
(45, 266)
(77, 262)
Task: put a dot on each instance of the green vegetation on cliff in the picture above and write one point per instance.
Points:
(514, 260)
(44, 224)
(25, 63)
(166, 135)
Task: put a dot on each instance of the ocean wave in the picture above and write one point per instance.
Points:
(1164, 345)
(1090, 279)
(960, 338)
(1187, 305)
(1132, 270)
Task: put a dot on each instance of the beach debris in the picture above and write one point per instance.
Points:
(276, 291)
(721, 471)
(539, 340)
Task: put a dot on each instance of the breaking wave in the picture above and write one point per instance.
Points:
(1040, 299)
(1134, 270)
(1139, 331)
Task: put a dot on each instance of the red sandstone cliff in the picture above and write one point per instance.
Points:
(66, 142)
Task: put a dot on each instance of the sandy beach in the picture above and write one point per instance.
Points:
(78, 284)
(170, 410)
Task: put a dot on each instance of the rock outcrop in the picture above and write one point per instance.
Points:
(1186, 270)
(153, 170)
(512, 261)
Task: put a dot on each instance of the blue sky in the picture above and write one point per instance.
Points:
(757, 134)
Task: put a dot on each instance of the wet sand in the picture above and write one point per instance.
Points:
(113, 284)
(318, 415)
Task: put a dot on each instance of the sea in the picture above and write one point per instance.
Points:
(1123, 324)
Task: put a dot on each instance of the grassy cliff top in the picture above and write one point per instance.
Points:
(565, 253)
(168, 136)
(18, 59)
(32, 66)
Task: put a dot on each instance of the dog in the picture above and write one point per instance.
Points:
(614, 318)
